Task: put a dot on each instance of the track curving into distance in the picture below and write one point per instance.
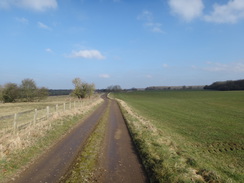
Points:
(120, 158)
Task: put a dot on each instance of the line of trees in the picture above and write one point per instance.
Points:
(226, 85)
(27, 91)
(59, 92)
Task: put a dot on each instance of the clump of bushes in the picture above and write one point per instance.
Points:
(27, 91)
(82, 89)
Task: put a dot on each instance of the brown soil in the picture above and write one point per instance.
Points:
(120, 162)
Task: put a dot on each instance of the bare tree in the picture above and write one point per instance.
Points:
(91, 89)
(78, 88)
(28, 89)
(82, 89)
(114, 88)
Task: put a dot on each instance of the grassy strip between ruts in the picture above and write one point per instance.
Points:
(15, 161)
(85, 167)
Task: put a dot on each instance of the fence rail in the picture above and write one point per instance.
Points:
(18, 121)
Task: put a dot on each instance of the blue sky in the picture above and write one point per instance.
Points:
(131, 43)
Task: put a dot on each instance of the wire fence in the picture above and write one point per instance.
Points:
(18, 121)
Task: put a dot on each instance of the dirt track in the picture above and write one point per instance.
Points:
(120, 162)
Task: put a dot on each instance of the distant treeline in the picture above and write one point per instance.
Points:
(196, 87)
(226, 85)
(59, 92)
(27, 91)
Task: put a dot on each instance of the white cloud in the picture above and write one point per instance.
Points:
(43, 26)
(22, 20)
(186, 9)
(5, 3)
(36, 5)
(194, 67)
(146, 15)
(89, 54)
(148, 76)
(231, 12)
(154, 27)
(149, 22)
(49, 50)
(165, 65)
(104, 76)
(234, 67)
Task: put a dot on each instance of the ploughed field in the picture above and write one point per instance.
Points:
(190, 135)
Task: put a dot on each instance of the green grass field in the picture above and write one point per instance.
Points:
(205, 128)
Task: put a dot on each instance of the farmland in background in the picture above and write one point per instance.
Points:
(179, 133)
(11, 108)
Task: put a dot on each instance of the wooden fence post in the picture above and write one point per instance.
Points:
(15, 123)
(57, 109)
(47, 112)
(35, 115)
